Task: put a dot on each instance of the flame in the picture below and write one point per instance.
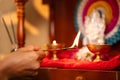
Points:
(76, 41)
(54, 42)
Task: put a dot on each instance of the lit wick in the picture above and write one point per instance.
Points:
(54, 45)
(54, 42)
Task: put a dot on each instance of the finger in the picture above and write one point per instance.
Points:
(29, 76)
(41, 54)
(35, 65)
(29, 48)
(28, 73)
(36, 48)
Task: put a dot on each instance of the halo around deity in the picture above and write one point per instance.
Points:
(111, 9)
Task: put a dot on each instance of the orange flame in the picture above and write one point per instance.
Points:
(76, 40)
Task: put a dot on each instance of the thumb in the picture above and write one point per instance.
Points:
(29, 48)
(41, 54)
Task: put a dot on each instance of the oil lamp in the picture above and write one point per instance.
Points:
(99, 49)
(54, 48)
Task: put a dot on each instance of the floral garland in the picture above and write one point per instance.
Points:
(112, 9)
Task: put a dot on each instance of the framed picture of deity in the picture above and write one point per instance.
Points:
(109, 9)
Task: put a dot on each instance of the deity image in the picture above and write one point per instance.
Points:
(94, 28)
(93, 33)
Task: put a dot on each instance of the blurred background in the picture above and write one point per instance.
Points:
(48, 20)
(36, 23)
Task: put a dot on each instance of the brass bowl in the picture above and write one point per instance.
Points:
(102, 48)
(54, 49)
(99, 49)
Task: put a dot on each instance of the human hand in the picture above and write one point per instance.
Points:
(25, 61)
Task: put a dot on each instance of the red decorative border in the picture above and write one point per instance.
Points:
(115, 12)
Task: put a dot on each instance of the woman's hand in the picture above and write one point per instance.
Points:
(25, 61)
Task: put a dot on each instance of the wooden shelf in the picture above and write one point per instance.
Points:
(74, 74)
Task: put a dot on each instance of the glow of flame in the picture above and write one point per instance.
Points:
(54, 42)
(76, 40)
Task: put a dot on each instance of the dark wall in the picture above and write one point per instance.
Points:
(63, 12)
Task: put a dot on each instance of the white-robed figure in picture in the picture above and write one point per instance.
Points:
(93, 33)
(94, 28)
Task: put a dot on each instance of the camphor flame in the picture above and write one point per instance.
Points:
(76, 40)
